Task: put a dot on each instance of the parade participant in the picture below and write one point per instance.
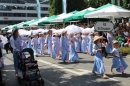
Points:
(109, 44)
(73, 56)
(34, 42)
(29, 42)
(23, 44)
(96, 34)
(98, 59)
(77, 42)
(104, 44)
(87, 41)
(48, 42)
(117, 60)
(16, 41)
(64, 44)
(55, 46)
(84, 43)
(90, 44)
(41, 41)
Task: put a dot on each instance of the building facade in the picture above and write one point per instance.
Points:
(16, 11)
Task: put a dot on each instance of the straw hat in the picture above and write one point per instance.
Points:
(96, 38)
(115, 42)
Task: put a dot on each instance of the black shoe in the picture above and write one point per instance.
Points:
(2, 83)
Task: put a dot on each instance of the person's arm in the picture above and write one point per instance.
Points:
(113, 54)
(95, 50)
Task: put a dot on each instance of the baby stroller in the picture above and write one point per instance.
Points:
(29, 68)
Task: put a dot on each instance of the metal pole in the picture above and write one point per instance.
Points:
(26, 13)
(38, 9)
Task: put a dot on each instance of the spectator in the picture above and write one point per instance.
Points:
(121, 39)
(128, 41)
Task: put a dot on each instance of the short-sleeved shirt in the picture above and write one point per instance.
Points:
(116, 51)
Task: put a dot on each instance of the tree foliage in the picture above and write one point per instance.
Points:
(56, 5)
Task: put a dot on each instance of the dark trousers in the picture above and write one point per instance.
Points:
(0, 76)
(104, 51)
(6, 47)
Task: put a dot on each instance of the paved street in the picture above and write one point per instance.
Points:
(57, 73)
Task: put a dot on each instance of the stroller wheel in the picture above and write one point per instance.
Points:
(42, 82)
(19, 80)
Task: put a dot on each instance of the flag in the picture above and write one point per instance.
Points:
(64, 5)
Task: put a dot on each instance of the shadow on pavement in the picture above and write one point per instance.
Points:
(59, 78)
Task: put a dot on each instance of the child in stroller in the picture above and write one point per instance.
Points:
(29, 68)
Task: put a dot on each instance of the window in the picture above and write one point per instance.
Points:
(1, 22)
(10, 14)
(23, 14)
(1, 14)
(5, 14)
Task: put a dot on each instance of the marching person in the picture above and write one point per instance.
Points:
(41, 41)
(16, 44)
(48, 42)
(64, 44)
(117, 60)
(34, 42)
(29, 42)
(90, 44)
(77, 42)
(73, 56)
(84, 43)
(109, 45)
(55, 46)
(98, 59)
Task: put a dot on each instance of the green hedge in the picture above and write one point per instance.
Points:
(124, 50)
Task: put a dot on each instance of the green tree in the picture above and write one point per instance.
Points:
(76, 5)
(125, 4)
(55, 7)
(72, 5)
(98, 3)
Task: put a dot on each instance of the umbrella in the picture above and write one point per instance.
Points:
(72, 29)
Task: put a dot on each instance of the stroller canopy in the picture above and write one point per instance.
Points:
(30, 51)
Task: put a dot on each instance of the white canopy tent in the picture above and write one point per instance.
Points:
(36, 23)
(109, 11)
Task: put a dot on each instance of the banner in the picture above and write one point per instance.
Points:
(64, 5)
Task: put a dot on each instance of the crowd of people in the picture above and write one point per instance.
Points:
(67, 46)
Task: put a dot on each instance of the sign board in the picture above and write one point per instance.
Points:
(5, 18)
(103, 26)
